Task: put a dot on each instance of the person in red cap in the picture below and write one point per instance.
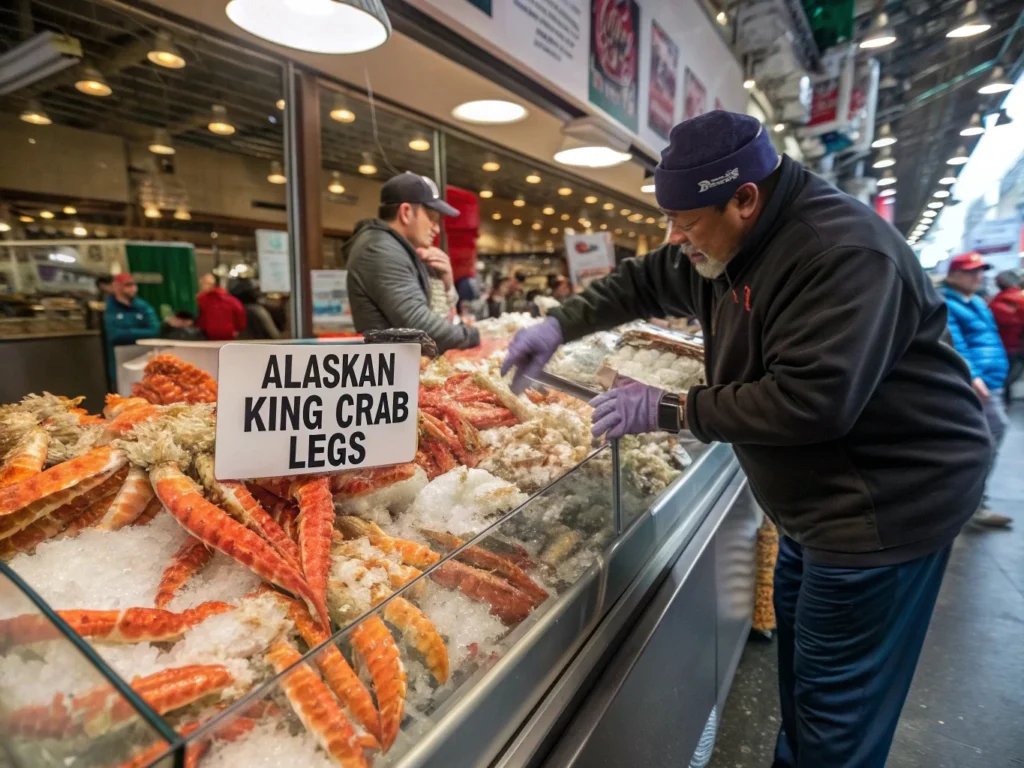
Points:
(976, 337)
(221, 315)
(1008, 309)
(126, 319)
(829, 373)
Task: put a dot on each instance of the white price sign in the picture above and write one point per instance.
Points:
(293, 409)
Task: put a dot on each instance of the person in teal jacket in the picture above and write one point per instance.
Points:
(126, 319)
(976, 338)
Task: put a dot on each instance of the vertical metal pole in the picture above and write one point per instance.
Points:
(294, 215)
(616, 488)
(441, 176)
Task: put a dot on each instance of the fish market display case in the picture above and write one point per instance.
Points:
(646, 616)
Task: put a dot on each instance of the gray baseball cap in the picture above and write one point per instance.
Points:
(409, 187)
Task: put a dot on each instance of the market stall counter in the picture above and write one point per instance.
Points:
(469, 599)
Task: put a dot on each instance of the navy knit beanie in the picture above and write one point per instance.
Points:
(709, 157)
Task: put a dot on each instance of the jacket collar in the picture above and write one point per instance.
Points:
(771, 219)
(953, 293)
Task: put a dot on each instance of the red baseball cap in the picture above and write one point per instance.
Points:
(123, 277)
(968, 262)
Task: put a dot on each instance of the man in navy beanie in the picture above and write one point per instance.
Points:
(829, 373)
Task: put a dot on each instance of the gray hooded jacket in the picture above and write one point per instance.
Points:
(389, 287)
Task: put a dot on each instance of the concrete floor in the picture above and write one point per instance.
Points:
(966, 706)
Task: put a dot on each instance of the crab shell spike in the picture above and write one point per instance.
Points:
(316, 524)
(316, 707)
(131, 501)
(189, 560)
(27, 459)
(244, 507)
(508, 604)
(372, 640)
(336, 670)
(24, 502)
(421, 634)
(216, 529)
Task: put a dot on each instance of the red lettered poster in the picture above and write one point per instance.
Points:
(661, 107)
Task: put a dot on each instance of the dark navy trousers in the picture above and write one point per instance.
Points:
(849, 640)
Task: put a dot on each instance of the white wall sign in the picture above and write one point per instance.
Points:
(330, 298)
(272, 251)
(293, 409)
(589, 256)
(993, 236)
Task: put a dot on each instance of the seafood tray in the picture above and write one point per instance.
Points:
(150, 612)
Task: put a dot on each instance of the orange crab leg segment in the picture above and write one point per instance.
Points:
(421, 634)
(27, 458)
(316, 707)
(508, 604)
(372, 640)
(316, 523)
(216, 529)
(131, 501)
(189, 560)
(242, 505)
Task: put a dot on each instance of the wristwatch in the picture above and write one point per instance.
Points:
(672, 413)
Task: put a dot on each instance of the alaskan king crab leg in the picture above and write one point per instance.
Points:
(216, 529)
(372, 640)
(27, 458)
(316, 522)
(131, 501)
(412, 553)
(189, 560)
(152, 510)
(316, 707)
(508, 604)
(421, 634)
(341, 678)
(242, 505)
(103, 708)
(24, 502)
(133, 625)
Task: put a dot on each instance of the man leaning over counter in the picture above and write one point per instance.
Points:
(852, 417)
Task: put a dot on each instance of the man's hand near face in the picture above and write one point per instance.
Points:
(438, 260)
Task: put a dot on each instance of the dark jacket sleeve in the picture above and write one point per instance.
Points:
(655, 285)
(832, 336)
(395, 288)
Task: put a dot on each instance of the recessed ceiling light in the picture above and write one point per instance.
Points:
(35, 114)
(519, 202)
(632, 233)
(941, 193)
(91, 82)
(491, 166)
(603, 226)
(4, 226)
(935, 205)
(516, 222)
(182, 214)
(25, 219)
(553, 230)
(779, 127)
(947, 180)
(722, 18)
(536, 225)
(749, 84)
(279, 103)
(151, 212)
(219, 123)
(565, 191)
(165, 53)
(533, 178)
(650, 220)
(486, 193)
(930, 214)
(342, 114)
(592, 157)
(625, 212)
(608, 206)
(46, 214)
(548, 210)
(489, 112)
(618, 230)
(647, 189)
(590, 199)
(70, 210)
(564, 217)
(79, 231)
(419, 144)
(318, 26)
(496, 216)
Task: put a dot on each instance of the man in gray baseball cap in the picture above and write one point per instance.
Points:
(390, 258)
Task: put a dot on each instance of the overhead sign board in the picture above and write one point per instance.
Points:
(293, 409)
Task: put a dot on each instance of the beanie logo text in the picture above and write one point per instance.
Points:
(718, 181)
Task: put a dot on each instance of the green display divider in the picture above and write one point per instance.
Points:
(166, 275)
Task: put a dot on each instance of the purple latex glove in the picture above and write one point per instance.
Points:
(630, 409)
(530, 351)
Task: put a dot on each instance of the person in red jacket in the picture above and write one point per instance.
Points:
(221, 315)
(1008, 309)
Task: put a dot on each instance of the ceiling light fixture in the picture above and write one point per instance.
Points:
(590, 199)
(565, 191)
(182, 214)
(885, 159)
(996, 83)
(972, 22)
(161, 143)
(603, 226)
(749, 83)
(930, 214)
(367, 168)
(91, 82)
(496, 216)
(317, 26)
(536, 225)
(885, 137)
(650, 220)
(491, 166)
(519, 202)
(4, 226)
(151, 212)
(564, 217)
(880, 33)
(516, 222)
(165, 53)
(533, 178)
(592, 157)
(935, 206)
(553, 230)
(419, 144)
(960, 157)
(70, 210)
(611, 206)
(46, 214)
(35, 114)
(79, 231)
(276, 175)
(889, 192)
(647, 189)
(947, 180)
(941, 193)
(489, 112)
(25, 219)
(722, 18)
(624, 212)
(486, 193)
(336, 187)
(974, 127)
(779, 127)
(219, 123)
(280, 104)
(340, 111)
(548, 210)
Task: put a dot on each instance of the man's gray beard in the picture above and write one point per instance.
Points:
(709, 269)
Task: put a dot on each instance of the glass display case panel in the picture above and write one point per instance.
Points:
(377, 687)
(650, 466)
(58, 705)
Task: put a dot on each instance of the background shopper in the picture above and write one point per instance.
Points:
(976, 338)
(259, 324)
(126, 319)
(1008, 309)
(221, 316)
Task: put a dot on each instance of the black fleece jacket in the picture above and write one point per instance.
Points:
(829, 372)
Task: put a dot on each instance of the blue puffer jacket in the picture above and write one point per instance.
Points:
(976, 338)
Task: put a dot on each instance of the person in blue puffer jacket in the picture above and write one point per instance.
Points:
(976, 338)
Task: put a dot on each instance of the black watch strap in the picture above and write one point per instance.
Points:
(668, 413)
